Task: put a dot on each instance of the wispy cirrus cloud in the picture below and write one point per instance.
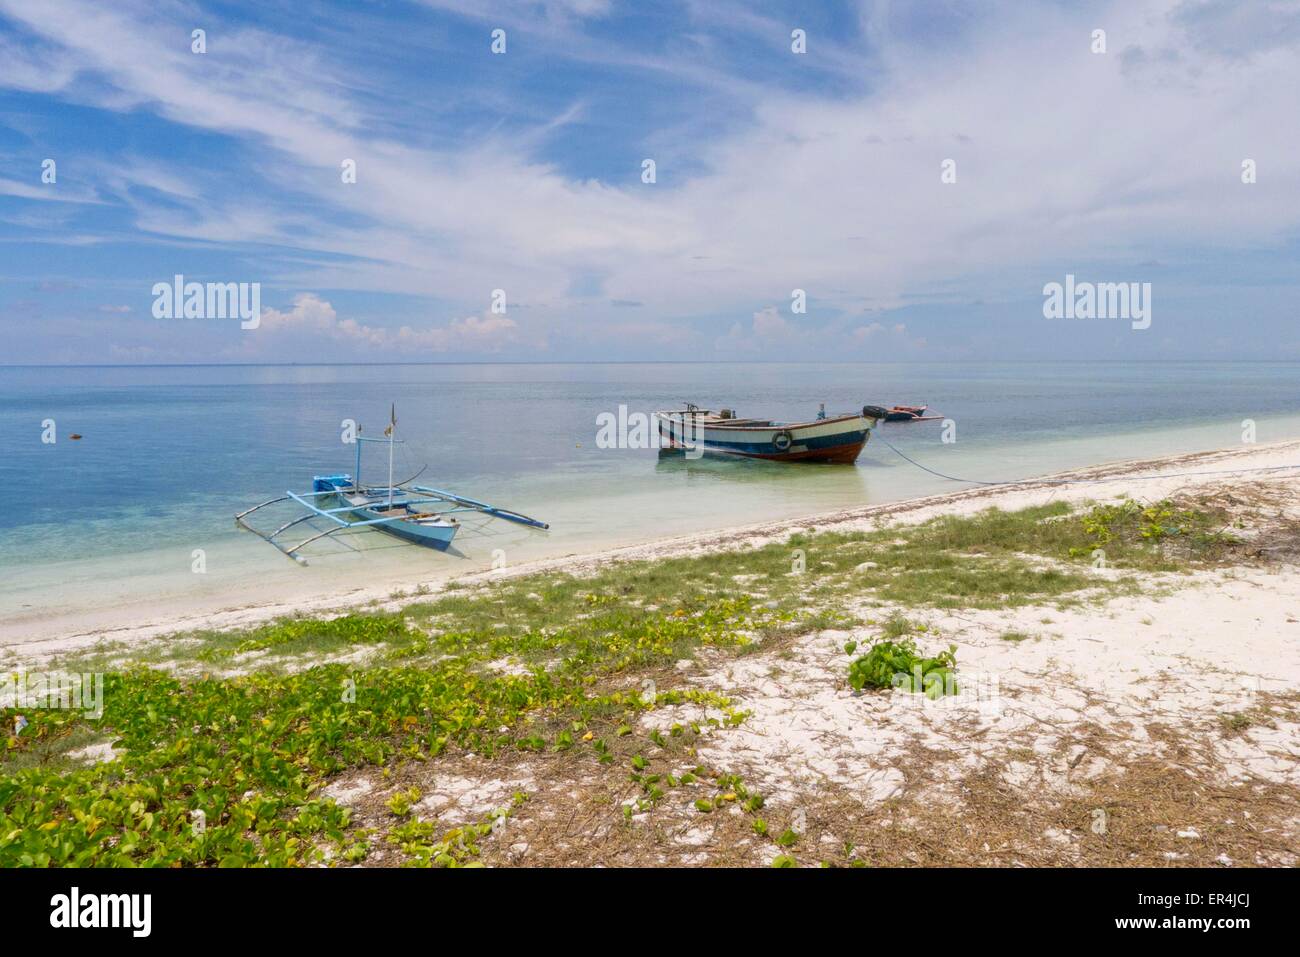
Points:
(824, 173)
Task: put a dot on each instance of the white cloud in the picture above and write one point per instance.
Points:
(1063, 156)
(773, 334)
(314, 316)
(52, 192)
(895, 339)
(472, 334)
(768, 331)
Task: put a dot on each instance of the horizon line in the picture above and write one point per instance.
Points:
(561, 362)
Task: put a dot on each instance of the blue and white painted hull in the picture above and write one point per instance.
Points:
(424, 528)
(401, 519)
(838, 439)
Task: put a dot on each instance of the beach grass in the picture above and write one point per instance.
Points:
(991, 559)
(243, 727)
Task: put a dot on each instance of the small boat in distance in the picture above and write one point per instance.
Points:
(909, 413)
(836, 439)
(415, 513)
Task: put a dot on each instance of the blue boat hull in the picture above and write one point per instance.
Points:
(433, 536)
(421, 528)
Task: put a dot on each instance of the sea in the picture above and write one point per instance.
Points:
(138, 513)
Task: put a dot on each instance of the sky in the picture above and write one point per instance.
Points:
(919, 172)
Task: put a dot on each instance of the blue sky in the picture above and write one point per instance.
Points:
(521, 171)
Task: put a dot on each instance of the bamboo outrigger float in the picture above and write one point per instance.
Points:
(416, 513)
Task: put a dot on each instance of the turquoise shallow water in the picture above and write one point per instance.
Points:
(169, 454)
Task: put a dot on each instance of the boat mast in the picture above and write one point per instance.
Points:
(356, 476)
(392, 427)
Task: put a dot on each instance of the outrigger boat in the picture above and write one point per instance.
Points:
(416, 513)
(835, 439)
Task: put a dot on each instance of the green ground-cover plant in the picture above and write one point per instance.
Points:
(457, 847)
(972, 561)
(1158, 535)
(987, 560)
(317, 634)
(898, 664)
(894, 662)
(247, 754)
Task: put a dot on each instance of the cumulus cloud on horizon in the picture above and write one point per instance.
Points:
(313, 315)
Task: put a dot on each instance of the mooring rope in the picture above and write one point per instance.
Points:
(1080, 481)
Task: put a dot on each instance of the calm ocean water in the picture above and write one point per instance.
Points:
(169, 454)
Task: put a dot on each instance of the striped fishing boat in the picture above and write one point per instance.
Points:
(825, 439)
